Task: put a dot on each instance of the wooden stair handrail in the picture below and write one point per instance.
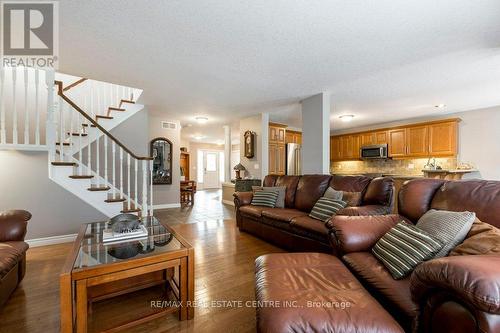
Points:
(93, 122)
(75, 84)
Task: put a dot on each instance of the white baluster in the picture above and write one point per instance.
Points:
(2, 106)
(128, 181)
(151, 188)
(113, 149)
(135, 184)
(105, 160)
(97, 150)
(26, 109)
(37, 108)
(61, 129)
(80, 160)
(144, 187)
(121, 173)
(70, 113)
(14, 106)
(89, 147)
(50, 128)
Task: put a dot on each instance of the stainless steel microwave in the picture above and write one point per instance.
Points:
(373, 152)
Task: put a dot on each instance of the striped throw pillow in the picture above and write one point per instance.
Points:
(325, 208)
(265, 198)
(405, 246)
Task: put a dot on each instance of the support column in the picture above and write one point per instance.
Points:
(228, 168)
(316, 134)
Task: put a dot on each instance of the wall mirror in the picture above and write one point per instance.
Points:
(161, 151)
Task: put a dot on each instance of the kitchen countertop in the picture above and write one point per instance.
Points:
(381, 174)
(450, 170)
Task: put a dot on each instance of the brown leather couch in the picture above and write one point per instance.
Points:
(291, 227)
(451, 294)
(13, 225)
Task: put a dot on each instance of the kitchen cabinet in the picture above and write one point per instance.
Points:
(335, 149)
(397, 142)
(443, 139)
(367, 139)
(417, 141)
(293, 137)
(277, 133)
(380, 137)
(277, 159)
(349, 147)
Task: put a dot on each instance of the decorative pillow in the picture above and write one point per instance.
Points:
(280, 202)
(330, 193)
(483, 238)
(265, 198)
(353, 199)
(325, 208)
(403, 247)
(447, 226)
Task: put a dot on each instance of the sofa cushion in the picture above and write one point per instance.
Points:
(309, 189)
(405, 246)
(290, 182)
(325, 208)
(449, 227)
(350, 183)
(252, 211)
(309, 227)
(483, 238)
(323, 294)
(269, 180)
(373, 274)
(282, 214)
(415, 196)
(10, 254)
(352, 199)
(379, 191)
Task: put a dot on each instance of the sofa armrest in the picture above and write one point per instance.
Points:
(13, 225)
(358, 233)
(242, 198)
(474, 280)
(365, 210)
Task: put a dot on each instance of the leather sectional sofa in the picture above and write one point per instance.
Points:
(291, 228)
(459, 294)
(13, 249)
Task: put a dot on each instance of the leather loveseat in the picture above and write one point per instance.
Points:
(451, 294)
(290, 227)
(13, 225)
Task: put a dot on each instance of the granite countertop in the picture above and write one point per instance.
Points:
(450, 170)
(380, 174)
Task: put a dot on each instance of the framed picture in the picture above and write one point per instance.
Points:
(249, 144)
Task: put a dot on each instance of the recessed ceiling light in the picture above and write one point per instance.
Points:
(198, 137)
(440, 106)
(201, 120)
(346, 117)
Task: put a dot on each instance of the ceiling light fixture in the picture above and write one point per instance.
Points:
(198, 137)
(201, 120)
(346, 117)
(440, 106)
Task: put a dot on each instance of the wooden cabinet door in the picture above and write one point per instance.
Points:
(273, 167)
(417, 141)
(380, 137)
(335, 148)
(289, 137)
(443, 139)
(356, 144)
(281, 156)
(273, 134)
(367, 139)
(349, 147)
(281, 135)
(298, 138)
(397, 142)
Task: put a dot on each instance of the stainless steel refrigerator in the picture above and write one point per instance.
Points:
(293, 156)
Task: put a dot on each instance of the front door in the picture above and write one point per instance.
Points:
(211, 169)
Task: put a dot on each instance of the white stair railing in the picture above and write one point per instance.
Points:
(130, 177)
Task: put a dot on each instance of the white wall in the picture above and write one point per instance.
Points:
(165, 196)
(258, 166)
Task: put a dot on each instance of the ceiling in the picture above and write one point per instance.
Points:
(380, 60)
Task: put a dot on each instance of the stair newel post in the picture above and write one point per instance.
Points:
(2, 106)
(80, 123)
(136, 195)
(26, 109)
(61, 129)
(14, 106)
(121, 173)
(150, 188)
(37, 108)
(97, 158)
(105, 160)
(50, 128)
(129, 195)
(113, 153)
(144, 170)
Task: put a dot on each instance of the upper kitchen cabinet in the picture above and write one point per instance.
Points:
(367, 139)
(380, 137)
(277, 133)
(293, 137)
(397, 142)
(335, 149)
(417, 141)
(349, 147)
(443, 138)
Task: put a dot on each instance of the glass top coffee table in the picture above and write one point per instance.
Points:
(96, 270)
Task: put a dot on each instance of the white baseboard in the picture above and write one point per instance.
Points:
(35, 242)
(165, 206)
(228, 202)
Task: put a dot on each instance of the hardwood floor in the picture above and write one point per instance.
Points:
(224, 271)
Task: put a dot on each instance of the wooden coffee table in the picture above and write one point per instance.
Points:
(95, 270)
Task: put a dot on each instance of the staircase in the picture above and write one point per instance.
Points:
(71, 118)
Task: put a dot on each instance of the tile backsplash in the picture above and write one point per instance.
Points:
(389, 166)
